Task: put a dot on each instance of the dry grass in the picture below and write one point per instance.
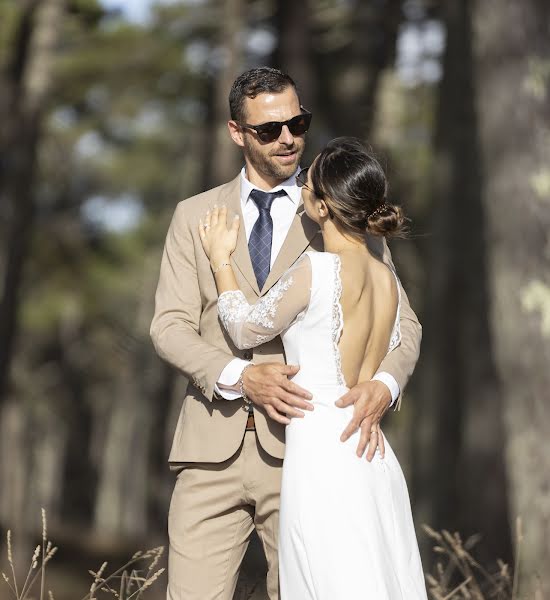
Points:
(458, 576)
(129, 582)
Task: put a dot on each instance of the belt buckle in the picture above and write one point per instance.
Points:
(250, 423)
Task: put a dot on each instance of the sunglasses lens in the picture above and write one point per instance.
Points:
(269, 131)
(301, 178)
(299, 125)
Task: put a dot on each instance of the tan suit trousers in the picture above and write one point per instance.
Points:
(214, 509)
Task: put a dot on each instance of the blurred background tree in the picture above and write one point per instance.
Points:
(513, 66)
(109, 118)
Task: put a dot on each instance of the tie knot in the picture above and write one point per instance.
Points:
(264, 200)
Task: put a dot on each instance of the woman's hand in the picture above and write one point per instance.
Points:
(218, 240)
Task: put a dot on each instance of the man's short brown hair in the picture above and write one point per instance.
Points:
(263, 80)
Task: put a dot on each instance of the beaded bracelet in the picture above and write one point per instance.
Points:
(246, 399)
(214, 271)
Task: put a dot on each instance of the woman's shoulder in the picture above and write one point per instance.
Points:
(325, 268)
(322, 258)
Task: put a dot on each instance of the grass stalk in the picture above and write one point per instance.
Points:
(45, 552)
(43, 570)
(519, 541)
(10, 561)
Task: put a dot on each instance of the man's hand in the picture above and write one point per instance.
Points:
(268, 385)
(371, 400)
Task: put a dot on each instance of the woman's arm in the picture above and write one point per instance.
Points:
(250, 325)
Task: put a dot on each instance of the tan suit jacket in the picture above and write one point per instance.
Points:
(187, 333)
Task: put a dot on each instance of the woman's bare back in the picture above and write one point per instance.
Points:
(369, 303)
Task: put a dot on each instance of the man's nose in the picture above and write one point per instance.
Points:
(286, 137)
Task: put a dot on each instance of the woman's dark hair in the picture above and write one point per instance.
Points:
(263, 80)
(353, 184)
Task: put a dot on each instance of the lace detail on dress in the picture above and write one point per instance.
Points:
(232, 307)
(395, 339)
(337, 319)
(263, 312)
(260, 339)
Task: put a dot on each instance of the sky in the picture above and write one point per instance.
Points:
(134, 10)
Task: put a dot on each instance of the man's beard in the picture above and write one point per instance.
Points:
(267, 165)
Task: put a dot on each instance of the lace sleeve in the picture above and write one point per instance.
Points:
(251, 325)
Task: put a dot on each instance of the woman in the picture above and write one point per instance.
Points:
(346, 529)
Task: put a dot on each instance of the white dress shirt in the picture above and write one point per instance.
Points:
(283, 211)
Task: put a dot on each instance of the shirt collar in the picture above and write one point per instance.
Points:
(288, 186)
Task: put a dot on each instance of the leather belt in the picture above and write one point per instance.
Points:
(250, 424)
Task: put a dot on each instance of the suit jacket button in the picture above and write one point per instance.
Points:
(248, 355)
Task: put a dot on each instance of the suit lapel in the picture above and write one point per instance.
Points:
(301, 233)
(241, 256)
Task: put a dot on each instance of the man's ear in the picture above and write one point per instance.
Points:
(236, 133)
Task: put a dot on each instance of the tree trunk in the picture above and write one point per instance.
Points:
(28, 88)
(15, 466)
(224, 155)
(465, 432)
(293, 52)
(123, 484)
(25, 90)
(351, 95)
(512, 50)
(121, 508)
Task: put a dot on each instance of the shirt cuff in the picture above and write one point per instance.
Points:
(389, 380)
(228, 379)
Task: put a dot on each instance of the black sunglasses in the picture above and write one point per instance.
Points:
(301, 181)
(269, 132)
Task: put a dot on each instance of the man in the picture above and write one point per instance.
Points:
(229, 456)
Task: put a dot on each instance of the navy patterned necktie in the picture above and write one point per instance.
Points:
(259, 244)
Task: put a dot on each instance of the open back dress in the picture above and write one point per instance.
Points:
(346, 528)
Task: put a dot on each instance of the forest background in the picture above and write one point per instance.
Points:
(107, 121)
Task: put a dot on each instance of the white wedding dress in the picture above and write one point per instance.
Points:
(346, 529)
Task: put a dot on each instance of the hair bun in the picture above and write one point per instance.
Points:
(387, 220)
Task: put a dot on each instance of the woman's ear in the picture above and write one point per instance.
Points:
(322, 209)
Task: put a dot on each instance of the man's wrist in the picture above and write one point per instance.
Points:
(227, 383)
(247, 401)
(390, 383)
